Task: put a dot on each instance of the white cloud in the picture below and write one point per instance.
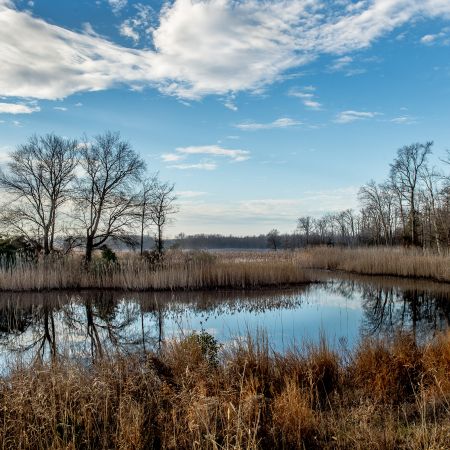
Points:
(172, 157)
(18, 108)
(127, 30)
(352, 116)
(341, 63)
(307, 98)
(138, 26)
(260, 215)
(117, 5)
(442, 37)
(230, 105)
(208, 151)
(283, 122)
(428, 38)
(198, 166)
(200, 47)
(60, 108)
(404, 120)
(215, 150)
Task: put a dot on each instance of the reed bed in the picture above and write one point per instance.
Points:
(221, 270)
(388, 261)
(194, 394)
(179, 271)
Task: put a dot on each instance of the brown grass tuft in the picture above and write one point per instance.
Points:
(386, 395)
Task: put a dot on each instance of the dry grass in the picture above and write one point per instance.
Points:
(223, 270)
(179, 271)
(382, 396)
(400, 262)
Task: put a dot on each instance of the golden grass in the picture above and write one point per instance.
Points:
(389, 261)
(223, 270)
(179, 271)
(385, 395)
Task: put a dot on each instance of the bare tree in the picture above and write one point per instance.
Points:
(161, 207)
(39, 179)
(406, 171)
(274, 239)
(144, 207)
(377, 201)
(305, 225)
(107, 191)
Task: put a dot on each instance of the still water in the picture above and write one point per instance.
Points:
(92, 324)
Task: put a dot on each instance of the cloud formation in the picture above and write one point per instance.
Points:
(44, 61)
(210, 151)
(18, 108)
(352, 116)
(198, 166)
(307, 97)
(283, 122)
(259, 215)
(117, 5)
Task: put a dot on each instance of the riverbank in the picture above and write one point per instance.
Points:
(194, 394)
(178, 271)
(386, 261)
(221, 270)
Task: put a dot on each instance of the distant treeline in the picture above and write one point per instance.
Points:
(218, 241)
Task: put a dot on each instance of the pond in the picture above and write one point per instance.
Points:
(344, 309)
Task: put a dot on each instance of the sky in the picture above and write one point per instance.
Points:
(259, 111)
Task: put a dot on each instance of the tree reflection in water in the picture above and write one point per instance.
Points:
(93, 325)
(391, 305)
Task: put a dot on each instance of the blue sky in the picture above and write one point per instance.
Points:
(260, 112)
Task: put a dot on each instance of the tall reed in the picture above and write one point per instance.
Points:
(179, 271)
(392, 261)
(193, 394)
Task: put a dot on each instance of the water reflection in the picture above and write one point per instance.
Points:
(94, 324)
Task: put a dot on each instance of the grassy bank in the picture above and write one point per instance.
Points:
(194, 395)
(178, 271)
(400, 262)
(221, 270)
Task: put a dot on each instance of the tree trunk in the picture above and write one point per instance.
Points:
(160, 241)
(142, 235)
(413, 214)
(46, 243)
(89, 249)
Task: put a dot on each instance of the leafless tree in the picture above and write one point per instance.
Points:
(305, 224)
(148, 186)
(161, 208)
(107, 190)
(274, 239)
(38, 179)
(377, 201)
(406, 171)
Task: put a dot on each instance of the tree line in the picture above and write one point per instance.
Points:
(411, 207)
(83, 193)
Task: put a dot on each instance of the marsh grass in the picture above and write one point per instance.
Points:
(178, 271)
(387, 261)
(384, 395)
(222, 270)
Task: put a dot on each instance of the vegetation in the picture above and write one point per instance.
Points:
(399, 262)
(196, 270)
(194, 394)
(81, 194)
(412, 208)
(177, 270)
